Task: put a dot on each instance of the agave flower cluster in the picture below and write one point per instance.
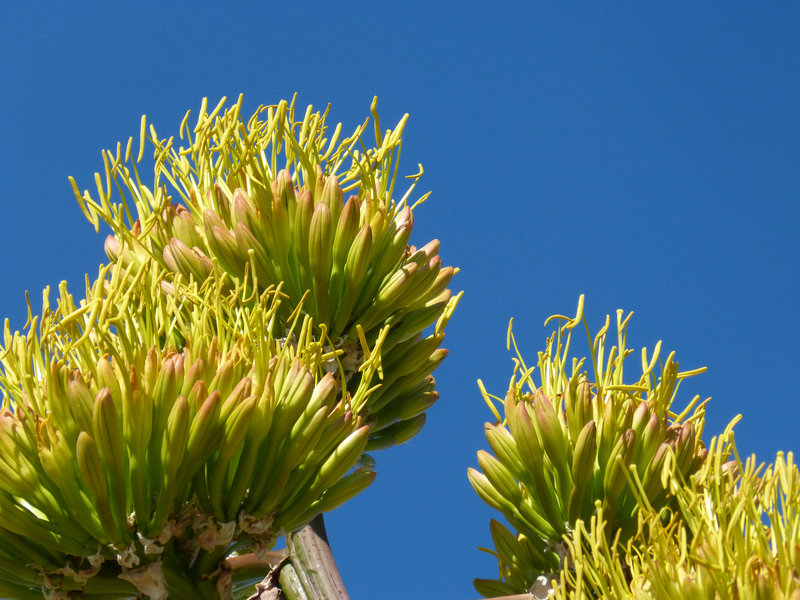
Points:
(613, 495)
(268, 198)
(221, 380)
(571, 448)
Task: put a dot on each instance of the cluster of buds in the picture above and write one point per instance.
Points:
(347, 261)
(252, 337)
(570, 447)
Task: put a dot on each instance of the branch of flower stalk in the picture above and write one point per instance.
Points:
(245, 563)
(314, 564)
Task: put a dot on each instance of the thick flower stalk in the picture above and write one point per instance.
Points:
(159, 426)
(570, 447)
(268, 197)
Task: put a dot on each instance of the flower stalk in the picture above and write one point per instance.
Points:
(313, 563)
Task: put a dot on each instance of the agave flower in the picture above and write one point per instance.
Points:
(570, 447)
(156, 428)
(266, 198)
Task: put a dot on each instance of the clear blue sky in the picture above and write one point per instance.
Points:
(647, 157)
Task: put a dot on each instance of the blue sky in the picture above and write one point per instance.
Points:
(646, 156)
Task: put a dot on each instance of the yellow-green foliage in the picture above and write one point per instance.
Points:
(612, 494)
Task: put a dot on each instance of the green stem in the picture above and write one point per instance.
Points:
(313, 562)
(247, 566)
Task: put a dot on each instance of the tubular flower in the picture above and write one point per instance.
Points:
(267, 201)
(570, 447)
